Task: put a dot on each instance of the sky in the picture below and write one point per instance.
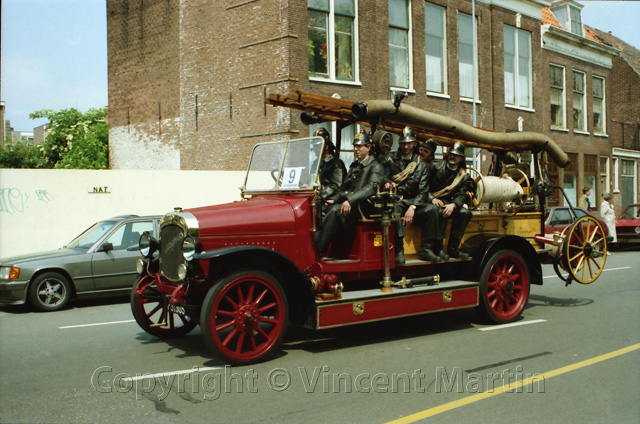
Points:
(54, 52)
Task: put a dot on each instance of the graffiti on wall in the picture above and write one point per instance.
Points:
(14, 200)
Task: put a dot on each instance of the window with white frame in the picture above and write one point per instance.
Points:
(332, 39)
(579, 102)
(605, 183)
(557, 97)
(576, 20)
(597, 85)
(435, 48)
(400, 44)
(468, 78)
(517, 67)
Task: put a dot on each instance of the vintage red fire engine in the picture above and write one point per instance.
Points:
(246, 270)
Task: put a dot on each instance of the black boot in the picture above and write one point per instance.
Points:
(400, 251)
(454, 252)
(427, 254)
(437, 248)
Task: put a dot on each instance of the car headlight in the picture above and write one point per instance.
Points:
(189, 246)
(637, 230)
(148, 245)
(9, 273)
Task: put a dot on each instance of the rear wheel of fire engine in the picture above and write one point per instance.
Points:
(244, 317)
(504, 286)
(149, 310)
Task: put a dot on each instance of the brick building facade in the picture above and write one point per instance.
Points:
(188, 79)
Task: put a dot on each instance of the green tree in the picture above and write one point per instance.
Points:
(18, 155)
(74, 140)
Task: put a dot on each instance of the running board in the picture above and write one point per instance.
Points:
(362, 306)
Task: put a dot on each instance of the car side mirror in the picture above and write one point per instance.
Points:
(105, 247)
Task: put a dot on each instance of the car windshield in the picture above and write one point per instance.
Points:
(632, 212)
(90, 236)
(284, 166)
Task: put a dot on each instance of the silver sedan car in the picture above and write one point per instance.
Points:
(100, 261)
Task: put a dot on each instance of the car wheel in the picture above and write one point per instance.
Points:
(150, 311)
(244, 317)
(504, 286)
(50, 291)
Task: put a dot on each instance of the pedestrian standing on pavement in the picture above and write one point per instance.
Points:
(584, 202)
(608, 215)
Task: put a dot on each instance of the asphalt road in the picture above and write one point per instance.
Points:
(578, 345)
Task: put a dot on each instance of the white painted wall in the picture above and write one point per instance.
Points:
(43, 209)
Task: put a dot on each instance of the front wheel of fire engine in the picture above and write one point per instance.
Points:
(244, 317)
(504, 286)
(150, 311)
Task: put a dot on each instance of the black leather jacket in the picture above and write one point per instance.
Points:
(332, 172)
(362, 181)
(440, 176)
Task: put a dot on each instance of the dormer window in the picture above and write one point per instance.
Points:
(569, 15)
(576, 20)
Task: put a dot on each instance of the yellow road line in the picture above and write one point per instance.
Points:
(510, 387)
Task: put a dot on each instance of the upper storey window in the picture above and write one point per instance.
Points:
(569, 15)
(468, 78)
(436, 48)
(400, 44)
(517, 67)
(332, 46)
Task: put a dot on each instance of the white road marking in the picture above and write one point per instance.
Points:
(513, 324)
(166, 374)
(97, 323)
(604, 270)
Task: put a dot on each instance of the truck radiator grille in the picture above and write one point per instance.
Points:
(171, 258)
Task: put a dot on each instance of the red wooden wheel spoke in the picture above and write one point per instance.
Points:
(226, 313)
(231, 335)
(156, 309)
(225, 325)
(240, 297)
(267, 307)
(250, 294)
(261, 331)
(269, 320)
(259, 298)
(240, 342)
(231, 302)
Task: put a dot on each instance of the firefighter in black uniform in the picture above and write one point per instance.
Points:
(448, 183)
(409, 179)
(332, 170)
(427, 150)
(362, 181)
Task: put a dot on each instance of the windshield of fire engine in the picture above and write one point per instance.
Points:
(284, 165)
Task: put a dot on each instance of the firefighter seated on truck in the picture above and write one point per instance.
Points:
(408, 178)
(363, 178)
(331, 170)
(447, 183)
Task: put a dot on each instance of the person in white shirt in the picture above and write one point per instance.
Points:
(608, 215)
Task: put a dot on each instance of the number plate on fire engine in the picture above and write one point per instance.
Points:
(176, 309)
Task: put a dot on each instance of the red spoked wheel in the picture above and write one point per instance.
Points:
(244, 317)
(504, 286)
(149, 310)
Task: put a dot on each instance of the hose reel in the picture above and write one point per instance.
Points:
(509, 191)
